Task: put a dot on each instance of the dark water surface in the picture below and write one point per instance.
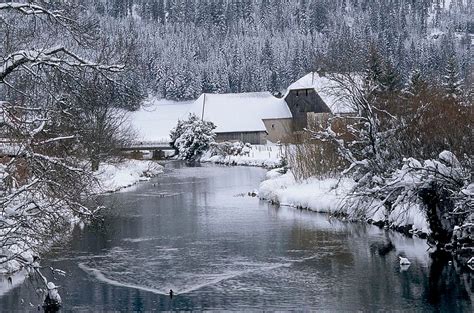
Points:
(192, 230)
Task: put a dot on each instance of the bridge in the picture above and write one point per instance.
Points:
(158, 145)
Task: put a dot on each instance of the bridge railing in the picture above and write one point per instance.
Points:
(148, 143)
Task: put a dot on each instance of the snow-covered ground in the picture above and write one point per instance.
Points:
(154, 121)
(268, 156)
(329, 196)
(115, 176)
(313, 194)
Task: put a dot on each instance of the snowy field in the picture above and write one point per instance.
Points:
(154, 121)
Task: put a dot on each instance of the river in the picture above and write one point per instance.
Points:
(196, 231)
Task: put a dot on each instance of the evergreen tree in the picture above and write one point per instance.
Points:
(390, 79)
(374, 69)
(416, 83)
(451, 81)
(266, 58)
(318, 16)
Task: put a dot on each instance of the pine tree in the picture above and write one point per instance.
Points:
(416, 83)
(274, 85)
(202, 13)
(217, 10)
(158, 11)
(390, 79)
(266, 58)
(451, 82)
(374, 69)
(318, 16)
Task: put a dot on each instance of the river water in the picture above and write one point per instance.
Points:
(195, 230)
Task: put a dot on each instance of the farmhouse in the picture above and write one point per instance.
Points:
(260, 117)
(256, 117)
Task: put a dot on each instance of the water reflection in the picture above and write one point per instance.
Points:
(188, 231)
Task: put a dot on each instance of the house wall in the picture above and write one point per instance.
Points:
(279, 130)
(302, 101)
(255, 138)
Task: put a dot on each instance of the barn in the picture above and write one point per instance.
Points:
(256, 117)
(311, 99)
(240, 117)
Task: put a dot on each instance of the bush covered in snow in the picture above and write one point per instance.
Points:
(238, 153)
(230, 148)
(192, 137)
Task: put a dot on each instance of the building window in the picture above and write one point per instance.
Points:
(273, 126)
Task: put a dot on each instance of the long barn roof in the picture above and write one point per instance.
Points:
(242, 112)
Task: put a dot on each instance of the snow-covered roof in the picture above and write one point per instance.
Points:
(242, 112)
(325, 89)
(230, 112)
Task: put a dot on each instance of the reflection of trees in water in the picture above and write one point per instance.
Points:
(372, 263)
(445, 282)
(439, 286)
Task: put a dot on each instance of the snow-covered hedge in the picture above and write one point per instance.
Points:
(238, 153)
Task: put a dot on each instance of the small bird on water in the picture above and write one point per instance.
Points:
(404, 261)
(171, 293)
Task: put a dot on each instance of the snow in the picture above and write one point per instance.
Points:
(240, 112)
(312, 194)
(257, 155)
(53, 293)
(156, 118)
(116, 176)
(325, 88)
(16, 280)
(9, 148)
(330, 196)
(243, 112)
(469, 190)
(229, 112)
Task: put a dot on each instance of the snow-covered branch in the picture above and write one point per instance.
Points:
(30, 9)
(53, 57)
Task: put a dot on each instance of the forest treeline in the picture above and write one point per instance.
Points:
(186, 47)
(181, 48)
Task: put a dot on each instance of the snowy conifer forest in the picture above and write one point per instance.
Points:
(383, 136)
(181, 48)
(178, 49)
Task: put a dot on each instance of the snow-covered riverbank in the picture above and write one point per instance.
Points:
(111, 177)
(329, 196)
